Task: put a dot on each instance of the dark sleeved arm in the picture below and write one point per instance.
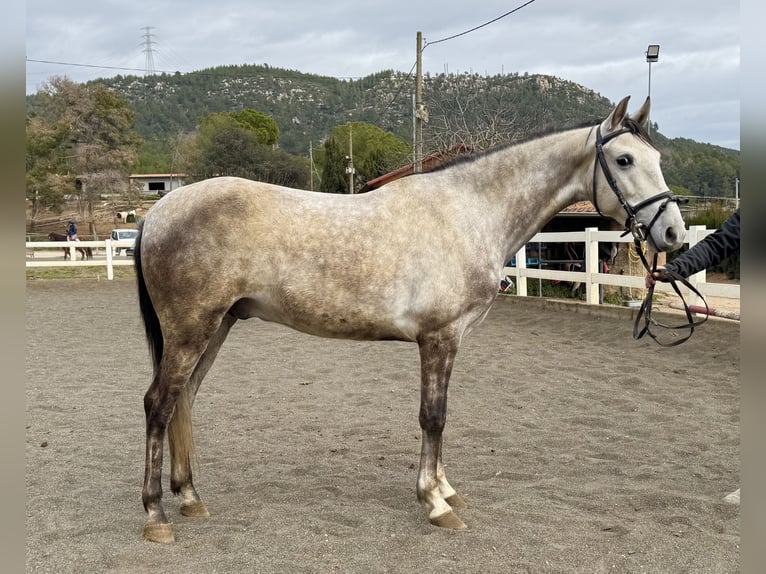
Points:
(722, 243)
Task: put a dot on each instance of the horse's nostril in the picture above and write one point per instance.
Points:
(671, 236)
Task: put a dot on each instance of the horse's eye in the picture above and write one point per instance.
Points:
(625, 160)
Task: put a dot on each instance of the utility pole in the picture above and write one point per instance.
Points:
(350, 157)
(421, 114)
(414, 135)
(311, 165)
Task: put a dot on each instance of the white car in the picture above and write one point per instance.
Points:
(124, 236)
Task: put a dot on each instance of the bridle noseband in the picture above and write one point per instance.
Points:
(640, 233)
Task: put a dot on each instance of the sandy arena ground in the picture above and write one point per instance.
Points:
(577, 448)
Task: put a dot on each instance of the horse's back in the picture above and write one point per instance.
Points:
(232, 199)
(229, 212)
(234, 215)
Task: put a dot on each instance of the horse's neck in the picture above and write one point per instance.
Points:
(526, 185)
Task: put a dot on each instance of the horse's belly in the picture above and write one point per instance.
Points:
(314, 318)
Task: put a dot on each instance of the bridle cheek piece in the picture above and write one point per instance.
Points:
(640, 234)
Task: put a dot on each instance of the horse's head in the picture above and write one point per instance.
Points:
(628, 184)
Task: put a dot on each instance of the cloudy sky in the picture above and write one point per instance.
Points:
(600, 44)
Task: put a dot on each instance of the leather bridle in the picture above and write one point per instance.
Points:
(640, 233)
(632, 225)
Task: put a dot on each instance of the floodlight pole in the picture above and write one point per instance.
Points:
(652, 55)
(649, 93)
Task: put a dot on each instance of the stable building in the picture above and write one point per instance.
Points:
(156, 183)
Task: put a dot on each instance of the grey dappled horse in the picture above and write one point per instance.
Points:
(435, 243)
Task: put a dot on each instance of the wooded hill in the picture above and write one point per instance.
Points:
(482, 111)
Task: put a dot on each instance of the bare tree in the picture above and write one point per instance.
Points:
(481, 113)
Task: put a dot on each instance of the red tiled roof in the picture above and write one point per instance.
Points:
(580, 207)
(428, 163)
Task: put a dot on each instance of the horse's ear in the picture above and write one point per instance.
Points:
(642, 115)
(614, 120)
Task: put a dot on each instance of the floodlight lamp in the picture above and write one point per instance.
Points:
(653, 53)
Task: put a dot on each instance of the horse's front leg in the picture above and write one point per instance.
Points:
(437, 353)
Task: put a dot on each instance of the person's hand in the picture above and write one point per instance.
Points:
(658, 275)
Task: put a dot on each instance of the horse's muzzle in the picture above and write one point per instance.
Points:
(665, 239)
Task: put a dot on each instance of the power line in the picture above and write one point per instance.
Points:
(149, 68)
(171, 72)
(409, 75)
(148, 51)
(480, 26)
(92, 66)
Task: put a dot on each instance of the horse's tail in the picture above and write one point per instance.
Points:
(148, 314)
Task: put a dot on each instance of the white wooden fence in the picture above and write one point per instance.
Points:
(99, 259)
(591, 278)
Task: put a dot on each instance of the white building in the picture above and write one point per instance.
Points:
(157, 183)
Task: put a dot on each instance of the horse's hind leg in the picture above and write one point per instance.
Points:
(160, 402)
(437, 354)
(180, 429)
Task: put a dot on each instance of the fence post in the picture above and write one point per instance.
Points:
(521, 263)
(591, 266)
(109, 266)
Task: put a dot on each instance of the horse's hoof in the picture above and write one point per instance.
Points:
(456, 501)
(448, 520)
(159, 532)
(732, 498)
(196, 509)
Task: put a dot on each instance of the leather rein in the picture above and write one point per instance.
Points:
(640, 232)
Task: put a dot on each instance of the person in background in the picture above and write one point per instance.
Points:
(719, 245)
(71, 234)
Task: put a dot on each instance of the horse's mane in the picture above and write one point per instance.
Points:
(629, 123)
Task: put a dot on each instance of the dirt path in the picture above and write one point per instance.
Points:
(577, 448)
(671, 303)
